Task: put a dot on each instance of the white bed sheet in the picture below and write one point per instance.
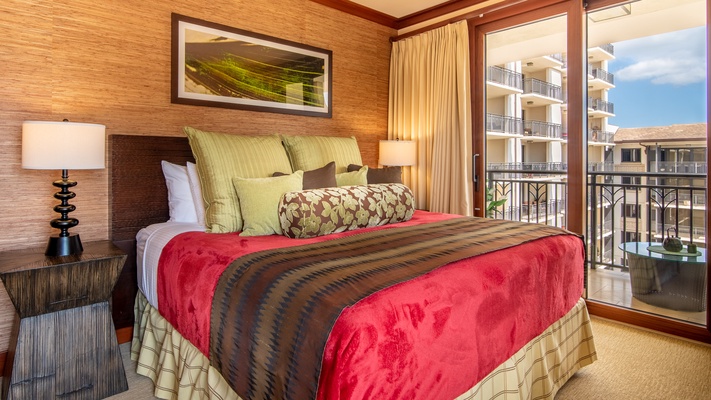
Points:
(149, 245)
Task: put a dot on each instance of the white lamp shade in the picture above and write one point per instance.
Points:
(63, 145)
(398, 152)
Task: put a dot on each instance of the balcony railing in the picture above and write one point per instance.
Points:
(529, 166)
(601, 166)
(542, 129)
(599, 73)
(557, 56)
(502, 124)
(602, 105)
(678, 167)
(608, 48)
(601, 136)
(622, 206)
(537, 86)
(504, 77)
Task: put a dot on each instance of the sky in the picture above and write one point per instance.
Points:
(660, 80)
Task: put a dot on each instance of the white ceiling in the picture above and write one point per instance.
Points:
(399, 8)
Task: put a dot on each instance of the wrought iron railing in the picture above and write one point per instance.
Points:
(504, 76)
(622, 206)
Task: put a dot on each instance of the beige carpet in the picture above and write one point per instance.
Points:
(632, 364)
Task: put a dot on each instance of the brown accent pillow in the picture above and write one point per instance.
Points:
(318, 178)
(317, 212)
(380, 175)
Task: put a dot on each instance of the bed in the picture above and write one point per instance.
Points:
(465, 321)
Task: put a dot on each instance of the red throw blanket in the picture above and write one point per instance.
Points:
(424, 342)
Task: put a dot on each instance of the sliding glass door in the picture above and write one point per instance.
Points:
(595, 120)
(647, 157)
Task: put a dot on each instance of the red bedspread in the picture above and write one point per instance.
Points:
(419, 336)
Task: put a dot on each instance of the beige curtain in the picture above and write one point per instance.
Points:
(430, 103)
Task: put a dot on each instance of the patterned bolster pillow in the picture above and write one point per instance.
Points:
(317, 212)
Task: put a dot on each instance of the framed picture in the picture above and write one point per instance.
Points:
(219, 66)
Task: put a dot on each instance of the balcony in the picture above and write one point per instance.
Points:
(601, 53)
(501, 81)
(601, 137)
(601, 167)
(528, 167)
(598, 108)
(601, 79)
(679, 167)
(531, 65)
(622, 206)
(542, 131)
(505, 127)
(538, 93)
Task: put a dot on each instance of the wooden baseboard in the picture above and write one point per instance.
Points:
(650, 321)
(123, 335)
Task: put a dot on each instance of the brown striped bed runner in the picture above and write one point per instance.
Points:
(273, 310)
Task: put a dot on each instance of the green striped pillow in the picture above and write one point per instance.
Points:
(220, 158)
(312, 152)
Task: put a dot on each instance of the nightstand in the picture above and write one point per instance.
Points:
(64, 345)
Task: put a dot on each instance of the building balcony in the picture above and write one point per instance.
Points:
(619, 210)
(504, 127)
(531, 65)
(501, 81)
(601, 138)
(598, 108)
(542, 131)
(678, 167)
(601, 79)
(601, 167)
(525, 167)
(538, 93)
(601, 53)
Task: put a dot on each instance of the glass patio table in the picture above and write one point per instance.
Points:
(675, 281)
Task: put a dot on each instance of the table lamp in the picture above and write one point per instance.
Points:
(63, 145)
(398, 152)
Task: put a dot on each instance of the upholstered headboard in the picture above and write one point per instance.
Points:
(137, 198)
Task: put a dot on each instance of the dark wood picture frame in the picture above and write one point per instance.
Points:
(220, 66)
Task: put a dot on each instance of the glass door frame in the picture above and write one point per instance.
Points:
(576, 13)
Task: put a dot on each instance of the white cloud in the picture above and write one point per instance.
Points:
(677, 58)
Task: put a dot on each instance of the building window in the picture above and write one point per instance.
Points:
(632, 210)
(629, 180)
(631, 155)
(631, 237)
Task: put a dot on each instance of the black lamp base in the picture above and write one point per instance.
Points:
(60, 246)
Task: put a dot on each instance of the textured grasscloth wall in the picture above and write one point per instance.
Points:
(108, 62)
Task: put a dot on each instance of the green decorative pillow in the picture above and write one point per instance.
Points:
(318, 178)
(380, 175)
(317, 212)
(311, 152)
(259, 201)
(354, 178)
(220, 158)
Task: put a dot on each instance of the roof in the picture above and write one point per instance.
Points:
(670, 133)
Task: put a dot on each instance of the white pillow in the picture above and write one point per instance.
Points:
(180, 198)
(196, 191)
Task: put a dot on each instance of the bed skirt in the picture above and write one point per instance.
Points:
(537, 371)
